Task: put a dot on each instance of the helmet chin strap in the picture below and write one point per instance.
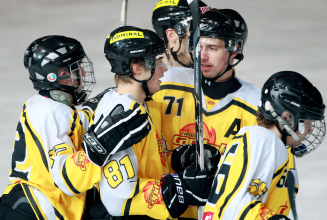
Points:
(145, 82)
(287, 131)
(175, 56)
(229, 67)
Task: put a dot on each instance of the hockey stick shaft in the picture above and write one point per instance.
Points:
(290, 184)
(123, 14)
(194, 6)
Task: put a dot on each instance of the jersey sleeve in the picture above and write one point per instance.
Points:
(86, 118)
(73, 173)
(242, 181)
(71, 170)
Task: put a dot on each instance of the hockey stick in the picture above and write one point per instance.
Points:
(194, 6)
(123, 15)
(291, 193)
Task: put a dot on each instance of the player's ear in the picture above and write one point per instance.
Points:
(137, 69)
(63, 77)
(235, 53)
(171, 35)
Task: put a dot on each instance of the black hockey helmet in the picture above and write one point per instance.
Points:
(127, 43)
(131, 43)
(170, 14)
(215, 24)
(241, 29)
(46, 56)
(289, 91)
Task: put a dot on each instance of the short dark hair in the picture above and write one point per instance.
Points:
(262, 121)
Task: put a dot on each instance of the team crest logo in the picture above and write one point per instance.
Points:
(152, 193)
(282, 209)
(51, 77)
(187, 136)
(161, 149)
(257, 189)
(80, 159)
(266, 213)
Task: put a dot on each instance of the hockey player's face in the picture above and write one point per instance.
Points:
(154, 82)
(214, 57)
(301, 133)
(77, 77)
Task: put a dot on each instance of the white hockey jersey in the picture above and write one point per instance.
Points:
(130, 183)
(48, 159)
(251, 177)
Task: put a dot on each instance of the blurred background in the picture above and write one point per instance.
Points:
(283, 35)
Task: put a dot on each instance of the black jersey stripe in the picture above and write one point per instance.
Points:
(58, 215)
(36, 209)
(129, 201)
(175, 87)
(87, 113)
(280, 170)
(36, 140)
(73, 124)
(246, 211)
(148, 98)
(241, 177)
(70, 185)
(232, 102)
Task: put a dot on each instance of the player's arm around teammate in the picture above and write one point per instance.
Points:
(254, 174)
(48, 161)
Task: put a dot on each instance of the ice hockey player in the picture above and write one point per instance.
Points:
(171, 21)
(48, 161)
(256, 175)
(131, 185)
(228, 102)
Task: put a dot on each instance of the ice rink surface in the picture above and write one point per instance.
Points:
(283, 35)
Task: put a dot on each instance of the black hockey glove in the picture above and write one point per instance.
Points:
(278, 217)
(185, 156)
(180, 190)
(115, 132)
(92, 104)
